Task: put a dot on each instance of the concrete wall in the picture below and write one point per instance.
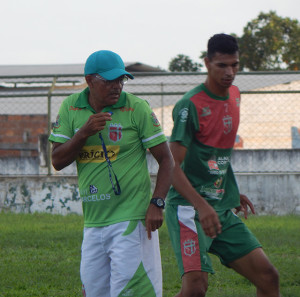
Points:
(58, 195)
(272, 192)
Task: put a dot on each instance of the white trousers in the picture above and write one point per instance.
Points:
(120, 260)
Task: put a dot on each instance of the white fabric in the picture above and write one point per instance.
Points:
(109, 259)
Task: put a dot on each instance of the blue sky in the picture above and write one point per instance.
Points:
(151, 32)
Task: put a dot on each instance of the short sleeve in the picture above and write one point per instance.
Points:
(149, 128)
(62, 131)
(185, 122)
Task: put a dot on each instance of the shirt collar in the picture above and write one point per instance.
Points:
(83, 102)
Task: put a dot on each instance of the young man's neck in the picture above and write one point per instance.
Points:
(216, 89)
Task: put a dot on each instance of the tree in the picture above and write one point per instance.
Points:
(183, 63)
(270, 42)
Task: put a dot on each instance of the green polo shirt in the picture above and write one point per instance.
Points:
(134, 128)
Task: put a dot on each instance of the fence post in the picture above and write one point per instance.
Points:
(162, 105)
(50, 124)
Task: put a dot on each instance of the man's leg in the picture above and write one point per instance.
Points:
(194, 284)
(190, 246)
(239, 249)
(135, 260)
(257, 268)
(95, 264)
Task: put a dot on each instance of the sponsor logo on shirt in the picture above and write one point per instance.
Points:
(214, 165)
(183, 114)
(212, 193)
(92, 195)
(93, 189)
(74, 108)
(126, 109)
(205, 111)
(115, 132)
(223, 160)
(95, 154)
(218, 182)
(95, 197)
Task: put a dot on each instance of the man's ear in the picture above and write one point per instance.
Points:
(89, 80)
(206, 61)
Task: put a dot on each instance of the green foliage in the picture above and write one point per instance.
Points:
(40, 256)
(270, 42)
(183, 63)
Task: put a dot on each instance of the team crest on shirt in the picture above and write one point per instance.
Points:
(227, 122)
(154, 119)
(115, 132)
(183, 114)
(57, 122)
(189, 247)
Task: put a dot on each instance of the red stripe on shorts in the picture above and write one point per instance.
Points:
(190, 252)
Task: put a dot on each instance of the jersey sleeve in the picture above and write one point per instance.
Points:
(185, 122)
(149, 128)
(62, 131)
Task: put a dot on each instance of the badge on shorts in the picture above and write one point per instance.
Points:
(189, 247)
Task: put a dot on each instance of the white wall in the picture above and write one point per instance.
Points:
(272, 192)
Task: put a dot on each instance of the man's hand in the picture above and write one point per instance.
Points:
(154, 219)
(95, 123)
(209, 220)
(244, 203)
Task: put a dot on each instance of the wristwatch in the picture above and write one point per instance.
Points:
(159, 202)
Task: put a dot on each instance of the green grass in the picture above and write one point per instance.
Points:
(40, 256)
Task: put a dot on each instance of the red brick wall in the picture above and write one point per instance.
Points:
(19, 134)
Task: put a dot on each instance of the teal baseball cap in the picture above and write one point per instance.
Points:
(107, 64)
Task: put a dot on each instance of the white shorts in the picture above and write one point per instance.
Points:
(120, 260)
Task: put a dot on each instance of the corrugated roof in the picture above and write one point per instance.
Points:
(63, 69)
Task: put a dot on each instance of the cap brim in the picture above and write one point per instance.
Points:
(115, 73)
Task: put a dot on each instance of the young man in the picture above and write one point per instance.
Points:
(204, 191)
(107, 132)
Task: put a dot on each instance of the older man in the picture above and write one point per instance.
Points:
(107, 132)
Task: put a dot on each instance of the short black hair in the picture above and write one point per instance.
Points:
(221, 43)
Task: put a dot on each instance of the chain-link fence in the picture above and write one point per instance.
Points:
(270, 105)
(269, 108)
